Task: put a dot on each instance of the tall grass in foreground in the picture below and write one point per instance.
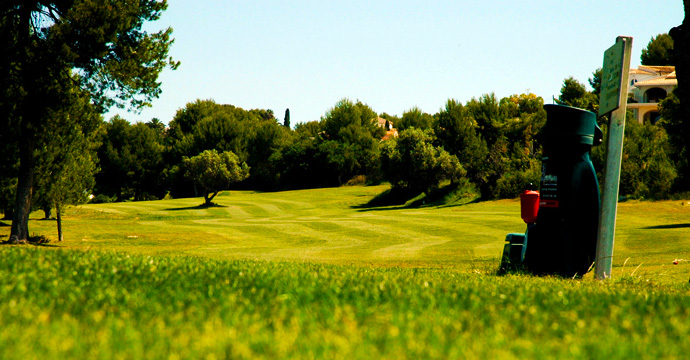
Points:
(74, 304)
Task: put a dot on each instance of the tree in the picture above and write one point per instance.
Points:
(574, 93)
(348, 114)
(131, 161)
(595, 82)
(675, 109)
(9, 165)
(354, 125)
(415, 118)
(647, 171)
(267, 138)
(66, 156)
(286, 120)
(212, 172)
(523, 117)
(68, 176)
(413, 162)
(658, 51)
(676, 122)
(459, 134)
(51, 46)
(156, 125)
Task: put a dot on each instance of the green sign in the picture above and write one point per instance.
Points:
(611, 80)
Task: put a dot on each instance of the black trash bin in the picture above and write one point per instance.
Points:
(563, 240)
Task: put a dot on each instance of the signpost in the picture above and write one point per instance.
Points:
(613, 98)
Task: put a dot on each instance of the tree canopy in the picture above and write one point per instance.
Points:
(212, 172)
(52, 48)
(659, 51)
(414, 163)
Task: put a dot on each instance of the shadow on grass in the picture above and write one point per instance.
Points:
(40, 240)
(198, 207)
(391, 197)
(46, 245)
(671, 226)
(396, 198)
(2, 224)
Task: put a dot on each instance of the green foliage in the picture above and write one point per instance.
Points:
(677, 124)
(339, 159)
(346, 115)
(646, 169)
(415, 118)
(9, 166)
(595, 82)
(253, 135)
(516, 179)
(66, 153)
(310, 129)
(486, 114)
(53, 47)
(659, 51)
(354, 125)
(574, 93)
(413, 162)
(459, 134)
(112, 52)
(524, 117)
(212, 171)
(297, 165)
(67, 158)
(495, 141)
(653, 157)
(131, 159)
(286, 120)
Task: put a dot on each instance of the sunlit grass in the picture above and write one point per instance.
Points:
(68, 304)
(312, 274)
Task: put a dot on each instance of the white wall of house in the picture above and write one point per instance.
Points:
(649, 85)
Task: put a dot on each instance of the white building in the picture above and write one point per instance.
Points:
(648, 86)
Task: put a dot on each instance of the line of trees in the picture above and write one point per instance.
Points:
(488, 143)
(491, 144)
(66, 63)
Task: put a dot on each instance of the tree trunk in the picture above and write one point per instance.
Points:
(208, 197)
(681, 57)
(681, 52)
(47, 212)
(19, 232)
(25, 183)
(59, 221)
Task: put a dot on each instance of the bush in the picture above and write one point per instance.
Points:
(646, 169)
(103, 199)
(414, 163)
(512, 183)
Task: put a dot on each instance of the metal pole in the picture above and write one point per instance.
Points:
(614, 153)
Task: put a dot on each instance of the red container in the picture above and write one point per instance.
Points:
(529, 206)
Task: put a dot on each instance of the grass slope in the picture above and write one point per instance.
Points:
(312, 274)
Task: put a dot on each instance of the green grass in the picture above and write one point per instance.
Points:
(312, 274)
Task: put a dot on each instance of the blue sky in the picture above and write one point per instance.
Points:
(391, 55)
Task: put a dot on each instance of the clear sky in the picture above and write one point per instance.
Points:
(391, 55)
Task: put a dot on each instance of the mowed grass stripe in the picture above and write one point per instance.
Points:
(649, 234)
